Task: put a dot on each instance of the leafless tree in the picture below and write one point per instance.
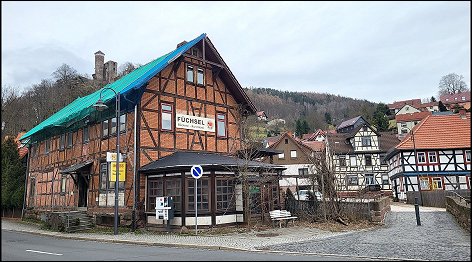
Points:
(452, 84)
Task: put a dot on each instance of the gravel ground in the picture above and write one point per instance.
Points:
(438, 238)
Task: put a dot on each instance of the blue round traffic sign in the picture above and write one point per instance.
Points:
(196, 171)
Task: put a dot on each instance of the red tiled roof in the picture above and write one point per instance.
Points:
(439, 132)
(451, 98)
(314, 145)
(400, 104)
(429, 104)
(417, 116)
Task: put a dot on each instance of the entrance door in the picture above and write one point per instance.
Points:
(82, 184)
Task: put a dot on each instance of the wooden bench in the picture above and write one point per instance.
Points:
(281, 215)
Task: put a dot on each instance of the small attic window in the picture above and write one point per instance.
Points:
(194, 51)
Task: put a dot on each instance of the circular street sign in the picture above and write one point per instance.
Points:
(196, 171)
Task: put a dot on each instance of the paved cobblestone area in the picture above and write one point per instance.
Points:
(438, 238)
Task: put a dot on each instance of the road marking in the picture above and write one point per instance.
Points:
(42, 252)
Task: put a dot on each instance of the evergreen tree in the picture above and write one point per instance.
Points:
(380, 119)
(13, 175)
(433, 99)
(442, 107)
(328, 118)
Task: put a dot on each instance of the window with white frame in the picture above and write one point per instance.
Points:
(166, 117)
(432, 157)
(353, 161)
(113, 126)
(122, 123)
(366, 141)
(293, 153)
(369, 179)
(421, 158)
(424, 183)
(385, 180)
(303, 171)
(200, 78)
(281, 156)
(437, 183)
(69, 139)
(190, 74)
(105, 128)
(352, 180)
(467, 156)
(63, 183)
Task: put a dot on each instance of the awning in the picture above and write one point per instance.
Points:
(74, 168)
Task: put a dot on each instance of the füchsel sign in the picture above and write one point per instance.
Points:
(195, 123)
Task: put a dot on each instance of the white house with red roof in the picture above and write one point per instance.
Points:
(406, 122)
(434, 157)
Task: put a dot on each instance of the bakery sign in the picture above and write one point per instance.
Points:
(195, 123)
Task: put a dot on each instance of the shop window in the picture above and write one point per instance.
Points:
(166, 117)
(221, 124)
(173, 189)
(225, 198)
(190, 74)
(352, 180)
(293, 153)
(155, 189)
(203, 195)
(200, 77)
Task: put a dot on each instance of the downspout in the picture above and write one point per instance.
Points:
(134, 167)
(26, 181)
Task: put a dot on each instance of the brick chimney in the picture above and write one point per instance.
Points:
(181, 43)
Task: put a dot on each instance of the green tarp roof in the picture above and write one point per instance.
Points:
(129, 86)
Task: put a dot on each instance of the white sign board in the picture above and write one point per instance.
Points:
(111, 157)
(194, 123)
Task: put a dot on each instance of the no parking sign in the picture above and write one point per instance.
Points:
(196, 171)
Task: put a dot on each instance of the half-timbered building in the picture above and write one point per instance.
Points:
(297, 156)
(182, 108)
(357, 159)
(434, 156)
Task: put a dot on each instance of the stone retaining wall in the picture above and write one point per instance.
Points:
(460, 210)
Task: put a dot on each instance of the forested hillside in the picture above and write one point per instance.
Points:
(23, 111)
(320, 110)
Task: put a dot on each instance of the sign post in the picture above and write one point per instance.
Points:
(196, 171)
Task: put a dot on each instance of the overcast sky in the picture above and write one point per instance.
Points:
(379, 51)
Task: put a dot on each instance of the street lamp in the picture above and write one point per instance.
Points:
(100, 106)
(417, 210)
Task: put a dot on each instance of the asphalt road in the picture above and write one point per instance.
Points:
(19, 246)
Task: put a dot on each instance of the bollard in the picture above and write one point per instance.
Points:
(417, 212)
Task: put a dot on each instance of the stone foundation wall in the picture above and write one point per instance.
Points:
(460, 210)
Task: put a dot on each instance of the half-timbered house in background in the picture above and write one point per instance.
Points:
(441, 144)
(180, 109)
(357, 159)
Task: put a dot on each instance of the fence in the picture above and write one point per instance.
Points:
(434, 198)
(356, 209)
(11, 213)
